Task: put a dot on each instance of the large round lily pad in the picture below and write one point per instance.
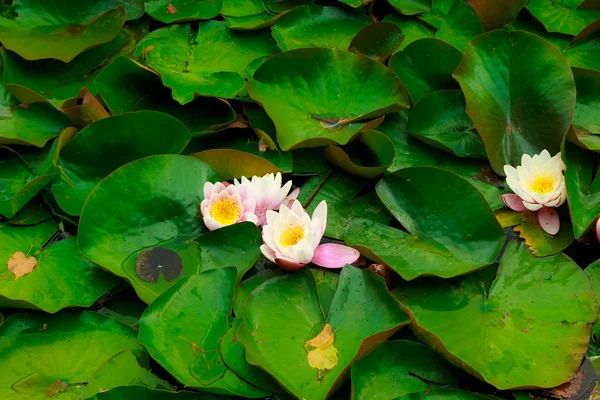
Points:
(170, 11)
(62, 29)
(316, 26)
(451, 228)
(527, 323)
(318, 96)
(286, 334)
(426, 66)
(182, 330)
(159, 198)
(209, 63)
(451, 130)
(61, 277)
(500, 93)
(107, 144)
(56, 356)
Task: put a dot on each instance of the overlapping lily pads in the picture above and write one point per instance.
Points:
(547, 327)
(563, 16)
(441, 240)
(309, 354)
(497, 92)
(326, 105)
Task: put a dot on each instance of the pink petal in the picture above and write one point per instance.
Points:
(332, 255)
(549, 220)
(598, 229)
(513, 202)
(288, 265)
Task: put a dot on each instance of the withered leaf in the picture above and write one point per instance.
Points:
(20, 265)
(151, 262)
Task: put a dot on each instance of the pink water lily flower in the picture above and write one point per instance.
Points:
(267, 191)
(224, 205)
(291, 239)
(538, 185)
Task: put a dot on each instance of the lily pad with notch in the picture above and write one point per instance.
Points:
(153, 262)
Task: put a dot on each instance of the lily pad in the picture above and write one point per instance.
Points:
(316, 26)
(167, 191)
(460, 26)
(61, 277)
(209, 63)
(170, 11)
(76, 345)
(583, 187)
(182, 330)
(586, 119)
(498, 92)
(593, 273)
(306, 353)
(84, 109)
(411, 152)
(233, 155)
(368, 156)
(319, 106)
(35, 28)
(32, 213)
(562, 16)
(109, 143)
(247, 14)
(451, 130)
(412, 28)
(412, 7)
(377, 41)
(443, 238)
(446, 394)
(142, 392)
(496, 15)
(426, 66)
(400, 367)
(548, 328)
(56, 81)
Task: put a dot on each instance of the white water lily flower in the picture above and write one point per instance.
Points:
(224, 205)
(291, 239)
(266, 191)
(538, 185)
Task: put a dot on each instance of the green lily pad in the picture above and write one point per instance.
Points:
(84, 162)
(377, 41)
(439, 11)
(426, 66)
(585, 54)
(547, 328)
(182, 330)
(412, 7)
(247, 14)
(316, 26)
(412, 28)
(496, 15)
(56, 81)
(400, 367)
(248, 285)
(234, 155)
(446, 394)
(460, 26)
(169, 11)
(209, 63)
(562, 16)
(24, 174)
(368, 156)
(319, 106)
(126, 308)
(32, 213)
(123, 370)
(167, 191)
(451, 228)
(583, 187)
(279, 337)
(142, 392)
(75, 345)
(61, 278)
(339, 190)
(497, 93)
(541, 244)
(451, 129)
(411, 152)
(583, 139)
(586, 119)
(34, 28)
(593, 273)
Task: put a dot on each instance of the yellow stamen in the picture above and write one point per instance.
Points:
(291, 236)
(225, 211)
(542, 184)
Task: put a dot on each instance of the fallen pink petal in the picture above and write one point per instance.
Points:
(333, 255)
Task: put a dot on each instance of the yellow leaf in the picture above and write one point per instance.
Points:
(322, 353)
(20, 265)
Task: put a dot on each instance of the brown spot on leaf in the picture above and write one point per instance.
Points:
(151, 262)
(145, 51)
(20, 265)
(171, 9)
(55, 388)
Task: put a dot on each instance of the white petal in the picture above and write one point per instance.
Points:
(526, 161)
(511, 172)
(532, 206)
(268, 252)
